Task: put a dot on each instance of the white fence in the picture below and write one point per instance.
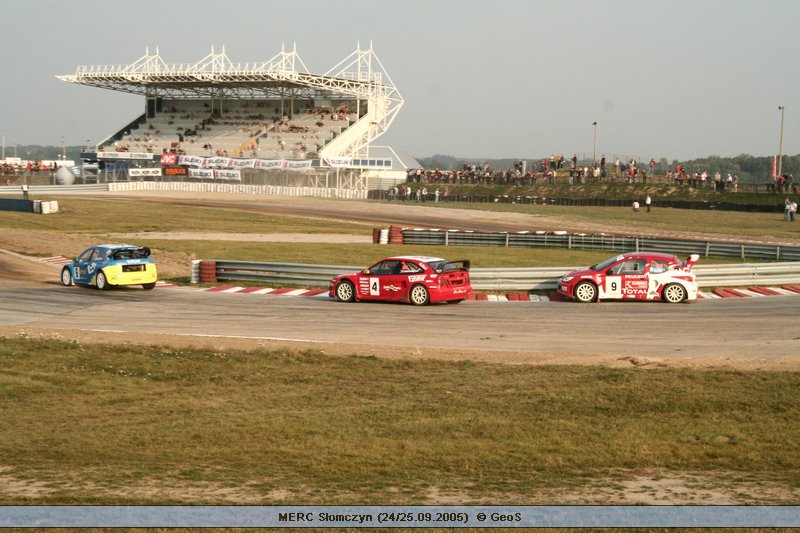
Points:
(236, 188)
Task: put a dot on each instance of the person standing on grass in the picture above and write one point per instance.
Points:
(647, 202)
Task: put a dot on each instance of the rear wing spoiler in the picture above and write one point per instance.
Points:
(458, 264)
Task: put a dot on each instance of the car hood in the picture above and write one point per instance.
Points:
(582, 271)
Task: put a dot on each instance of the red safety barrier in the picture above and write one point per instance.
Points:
(793, 288)
(395, 234)
(208, 271)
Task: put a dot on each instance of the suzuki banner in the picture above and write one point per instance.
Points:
(230, 175)
(296, 165)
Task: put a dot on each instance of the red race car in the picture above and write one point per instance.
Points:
(414, 279)
(633, 276)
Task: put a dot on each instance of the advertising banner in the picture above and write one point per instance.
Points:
(218, 162)
(244, 163)
(124, 155)
(338, 162)
(202, 173)
(296, 165)
(269, 164)
(175, 171)
(169, 159)
(229, 175)
(192, 160)
(143, 172)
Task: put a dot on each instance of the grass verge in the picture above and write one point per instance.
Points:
(99, 424)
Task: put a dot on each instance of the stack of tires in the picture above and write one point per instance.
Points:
(208, 271)
(395, 234)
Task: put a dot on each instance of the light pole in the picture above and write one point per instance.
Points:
(594, 150)
(780, 145)
(63, 149)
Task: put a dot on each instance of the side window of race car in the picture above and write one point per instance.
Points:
(85, 256)
(633, 266)
(407, 267)
(657, 267)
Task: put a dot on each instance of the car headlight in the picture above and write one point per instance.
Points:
(566, 279)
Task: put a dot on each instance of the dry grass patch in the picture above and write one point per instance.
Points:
(364, 430)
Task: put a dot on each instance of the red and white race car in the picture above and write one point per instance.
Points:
(633, 276)
(415, 279)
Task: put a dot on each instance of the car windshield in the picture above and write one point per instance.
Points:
(604, 264)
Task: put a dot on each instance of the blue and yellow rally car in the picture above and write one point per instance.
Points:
(107, 265)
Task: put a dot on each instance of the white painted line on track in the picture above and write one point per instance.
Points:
(212, 336)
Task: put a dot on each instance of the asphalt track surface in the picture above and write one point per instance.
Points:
(737, 333)
(747, 333)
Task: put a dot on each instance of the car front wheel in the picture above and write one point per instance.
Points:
(418, 295)
(66, 277)
(345, 292)
(101, 281)
(148, 286)
(586, 292)
(674, 293)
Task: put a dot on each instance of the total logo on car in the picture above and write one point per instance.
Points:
(418, 280)
(633, 276)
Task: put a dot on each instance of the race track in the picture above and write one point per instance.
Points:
(740, 333)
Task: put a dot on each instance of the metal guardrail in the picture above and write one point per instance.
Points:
(613, 243)
(491, 279)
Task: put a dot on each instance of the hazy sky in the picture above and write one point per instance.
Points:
(503, 78)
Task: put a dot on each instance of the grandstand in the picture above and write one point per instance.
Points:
(239, 113)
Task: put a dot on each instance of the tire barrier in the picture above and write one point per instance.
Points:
(395, 234)
(391, 235)
(208, 272)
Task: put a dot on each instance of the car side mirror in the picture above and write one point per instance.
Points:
(367, 272)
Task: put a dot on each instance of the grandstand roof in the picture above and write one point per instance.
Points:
(217, 76)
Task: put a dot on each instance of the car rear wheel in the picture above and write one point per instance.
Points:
(418, 295)
(586, 292)
(345, 292)
(101, 281)
(66, 277)
(148, 286)
(674, 293)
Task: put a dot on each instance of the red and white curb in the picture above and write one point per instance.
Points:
(307, 293)
(56, 260)
(749, 292)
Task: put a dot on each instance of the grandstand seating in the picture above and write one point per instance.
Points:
(243, 128)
